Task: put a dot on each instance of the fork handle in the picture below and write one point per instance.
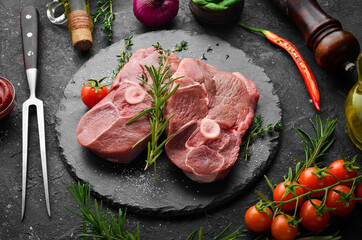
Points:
(29, 21)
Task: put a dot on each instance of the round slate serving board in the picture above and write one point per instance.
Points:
(172, 192)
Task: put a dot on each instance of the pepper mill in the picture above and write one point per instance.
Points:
(335, 49)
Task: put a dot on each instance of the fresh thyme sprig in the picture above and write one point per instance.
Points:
(125, 55)
(258, 130)
(95, 223)
(180, 47)
(105, 10)
(98, 225)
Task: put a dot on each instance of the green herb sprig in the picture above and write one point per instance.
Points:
(107, 226)
(258, 130)
(232, 236)
(314, 147)
(105, 12)
(125, 54)
(160, 93)
(95, 223)
(180, 47)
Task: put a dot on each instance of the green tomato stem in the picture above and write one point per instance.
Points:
(280, 203)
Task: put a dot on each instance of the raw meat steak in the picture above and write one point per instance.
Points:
(213, 109)
(103, 129)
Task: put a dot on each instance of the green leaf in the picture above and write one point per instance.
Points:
(192, 235)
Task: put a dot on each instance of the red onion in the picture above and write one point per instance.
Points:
(154, 13)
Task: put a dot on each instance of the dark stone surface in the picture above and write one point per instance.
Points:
(172, 193)
(58, 62)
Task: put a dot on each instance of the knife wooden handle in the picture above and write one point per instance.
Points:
(334, 48)
(29, 21)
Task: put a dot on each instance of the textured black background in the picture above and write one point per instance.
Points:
(58, 61)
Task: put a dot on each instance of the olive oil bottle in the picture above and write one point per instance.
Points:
(353, 109)
(79, 23)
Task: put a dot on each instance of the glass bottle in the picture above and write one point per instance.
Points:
(79, 21)
(353, 109)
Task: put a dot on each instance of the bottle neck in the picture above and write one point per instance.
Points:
(359, 72)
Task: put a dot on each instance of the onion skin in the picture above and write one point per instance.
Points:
(154, 13)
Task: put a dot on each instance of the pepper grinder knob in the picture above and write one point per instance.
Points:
(335, 49)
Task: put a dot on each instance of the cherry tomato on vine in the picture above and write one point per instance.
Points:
(359, 192)
(258, 221)
(312, 181)
(93, 92)
(281, 189)
(338, 168)
(281, 230)
(341, 208)
(311, 220)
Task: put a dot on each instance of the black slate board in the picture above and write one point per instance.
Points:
(172, 193)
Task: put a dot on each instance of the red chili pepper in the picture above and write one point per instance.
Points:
(303, 67)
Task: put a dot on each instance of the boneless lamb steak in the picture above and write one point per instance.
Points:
(103, 128)
(212, 110)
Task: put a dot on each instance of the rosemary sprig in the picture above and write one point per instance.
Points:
(125, 55)
(258, 130)
(98, 225)
(95, 223)
(314, 147)
(232, 236)
(160, 93)
(105, 12)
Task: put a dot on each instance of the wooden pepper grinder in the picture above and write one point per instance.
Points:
(335, 49)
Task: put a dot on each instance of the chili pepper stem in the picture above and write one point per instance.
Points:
(263, 31)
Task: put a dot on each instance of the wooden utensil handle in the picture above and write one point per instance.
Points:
(29, 21)
(334, 48)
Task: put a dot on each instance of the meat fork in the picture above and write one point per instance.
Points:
(29, 20)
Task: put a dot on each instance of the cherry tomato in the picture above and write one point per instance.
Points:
(341, 172)
(311, 181)
(359, 192)
(93, 92)
(279, 192)
(341, 208)
(281, 230)
(258, 221)
(310, 220)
